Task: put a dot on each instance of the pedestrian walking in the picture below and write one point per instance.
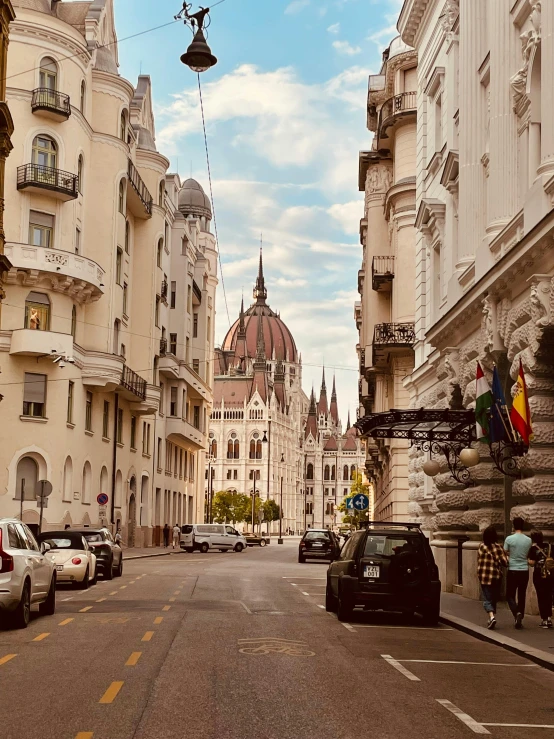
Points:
(176, 536)
(541, 560)
(118, 538)
(491, 557)
(517, 546)
(166, 535)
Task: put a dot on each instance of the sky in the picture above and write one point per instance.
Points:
(285, 113)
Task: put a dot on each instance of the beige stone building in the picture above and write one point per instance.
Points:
(107, 327)
(385, 314)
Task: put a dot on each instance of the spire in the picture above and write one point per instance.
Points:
(348, 421)
(260, 293)
(242, 329)
(312, 411)
(334, 410)
(322, 406)
(311, 421)
(334, 391)
(260, 345)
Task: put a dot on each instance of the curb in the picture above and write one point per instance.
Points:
(148, 556)
(540, 657)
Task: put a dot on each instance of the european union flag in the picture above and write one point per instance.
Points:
(499, 423)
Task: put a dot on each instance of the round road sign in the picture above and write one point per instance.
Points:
(44, 488)
(360, 502)
(102, 499)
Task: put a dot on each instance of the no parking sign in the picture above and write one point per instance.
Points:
(102, 499)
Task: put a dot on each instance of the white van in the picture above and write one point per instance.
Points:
(205, 536)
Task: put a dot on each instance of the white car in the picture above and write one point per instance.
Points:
(74, 560)
(205, 536)
(27, 576)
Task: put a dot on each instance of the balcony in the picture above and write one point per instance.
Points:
(382, 273)
(37, 178)
(133, 383)
(72, 274)
(184, 433)
(391, 338)
(358, 314)
(163, 291)
(139, 199)
(394, 109)
(361, 279)
(163, 347)
(32, 343)
(196, 294)
(51, 104)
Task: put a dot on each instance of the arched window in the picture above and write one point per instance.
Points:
(80, 173)
(118, 489)
(326, 472)
(353, 472)
(310, 472)
(83, 97)
(67, 484)
(333, 472)
(37, 312)
(45, 151)
(73, 322)
(213, 449)
(160, 252)
(252, 449)
(161, 193)
(236, 451)
(122, 195)
(345, 472)
(258, 445)
(230, 448)
(87, 483)
(26, 479)
(123, 126)
(48, 75)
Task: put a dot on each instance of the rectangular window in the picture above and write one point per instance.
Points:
(146, 438)
(118, 265)
(157, 311)
(162, 399)
(208, 328)
(37, 312)
(168, 457)
(41, 229)
(229, 472)
(235, 474)
(438, 123)
(34, 395)
(77, 241)
(173, 402)
(70, 402)
(196, 422)
(181, 464)
(106, 420)
(196, 365)
(173, 343)
(88, 411)
(159, 455)
(173, 294)
(125, 298)
(187, 351)
(195, 326)
(133, 432)
(189, 299)
(175, 462)
(120, 425)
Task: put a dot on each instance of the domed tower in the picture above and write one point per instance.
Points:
(194, 203)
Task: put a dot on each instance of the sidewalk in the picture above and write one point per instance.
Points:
(142, 553)
(468, 615)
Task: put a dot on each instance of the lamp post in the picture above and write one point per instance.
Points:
(280, 539)
(210, 488)
(267, 440)
(253, 496)
(198, 57)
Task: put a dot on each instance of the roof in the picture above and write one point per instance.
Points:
(194, 201)
(349, 445)
(331, 445)
(278, 340)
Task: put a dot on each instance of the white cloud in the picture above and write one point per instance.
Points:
(348, 215)
(296, 6)
(384, 36)
(344, 47)
(335, 28)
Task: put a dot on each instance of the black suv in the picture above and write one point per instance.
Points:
(318, 544)
(388, 566)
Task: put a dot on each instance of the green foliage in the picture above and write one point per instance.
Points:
(271, 510)
(354, 518)
(234, 507)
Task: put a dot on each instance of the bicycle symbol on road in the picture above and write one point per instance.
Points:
(271, 645)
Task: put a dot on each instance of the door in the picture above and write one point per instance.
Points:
(343, 564)
(41, 568)
(231, 536)
(220, 540)
(131, 529)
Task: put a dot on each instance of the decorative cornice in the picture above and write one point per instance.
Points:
(152, 160)
(112, 84)
(51, 36)
(410, 19)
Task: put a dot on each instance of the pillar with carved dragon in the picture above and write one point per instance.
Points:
(6, 128)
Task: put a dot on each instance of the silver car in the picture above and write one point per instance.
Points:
(26, 575)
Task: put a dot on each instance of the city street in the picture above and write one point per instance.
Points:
(225, 646)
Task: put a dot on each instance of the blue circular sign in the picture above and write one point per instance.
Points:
(102, 499)
(360, 502)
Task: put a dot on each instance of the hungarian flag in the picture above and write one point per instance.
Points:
(520, 413)
(483, 404)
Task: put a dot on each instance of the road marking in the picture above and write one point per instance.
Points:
(148, 636)
(411, 628)
(303, 593)
(523, 726)
(7, 658)
(40, 637)
(455, 662)
(123, 587)
(171, 600)
(114, 592)
(158, 620)
(320, 606)
(64, 599)
(177, 592)
(347, 626)
(471, 723)
(111, 693)
(133, 659)
(101, 600)
(293, 583)
(303, 578)
(84, 735)
(396, 664)
(166, 608)
(84, 610)
(66, 621)
(245, 607)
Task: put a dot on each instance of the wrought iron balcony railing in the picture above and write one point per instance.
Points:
(163, 347)
(51, 101)
(382, 273)
(163, 291)
(133, 383)
(397, 105)
(390, 336)
(140, 188)
(39, 177)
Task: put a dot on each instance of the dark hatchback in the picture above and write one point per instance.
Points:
(386, 566)
(109, 557)
(318, 544)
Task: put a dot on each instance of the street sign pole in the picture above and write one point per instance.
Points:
(45, 488)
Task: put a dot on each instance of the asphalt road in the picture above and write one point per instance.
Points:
(233, 646)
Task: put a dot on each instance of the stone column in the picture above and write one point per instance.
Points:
(543, 18)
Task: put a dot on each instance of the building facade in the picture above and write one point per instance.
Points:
(108, 322)
(266, 438)
(385, 313)
(6, 130)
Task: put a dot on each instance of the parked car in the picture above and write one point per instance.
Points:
(74, 560)
(388, 566)
(109, 556)
(253, 540)
(318, 544)
(206, 536)
(27, 576)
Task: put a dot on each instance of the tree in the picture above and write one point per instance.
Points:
(228, 506)
(354, 518)
(271, 510)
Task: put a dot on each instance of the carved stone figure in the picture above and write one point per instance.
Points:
(529, 40)
(449, 14)
(488, 323)
(378, 179)
(34, 320)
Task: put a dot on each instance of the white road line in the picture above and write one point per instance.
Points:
(455, 662)
(523, 726)
(412, 628)
(471, 723)
(347, 626)
(400, 668)
(64, 599)
(303, 593)
(245, 607)
(293, 583)
(303, 578)
(320, 606)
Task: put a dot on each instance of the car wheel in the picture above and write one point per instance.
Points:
(48, 608)
(119, 570)
(263, 543)
(239, 548)
(330, 600)
(108, 572)
(190, 550)
(204, 547)
(301, 559)
(22, 614)
(344, 608)
(95, 578)
(431, 614)
(85, 582)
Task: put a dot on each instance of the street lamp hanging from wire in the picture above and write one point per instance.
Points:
(198, 56)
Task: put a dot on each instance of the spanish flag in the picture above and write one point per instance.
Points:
(520, 414)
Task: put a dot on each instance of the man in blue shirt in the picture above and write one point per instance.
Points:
(517, 545)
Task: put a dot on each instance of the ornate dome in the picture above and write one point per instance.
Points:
(194, 201)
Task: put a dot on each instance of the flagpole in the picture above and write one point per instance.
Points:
(500, 408)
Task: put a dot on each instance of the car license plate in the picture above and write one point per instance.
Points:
(59, 568)
(317, 545)
(372, 572)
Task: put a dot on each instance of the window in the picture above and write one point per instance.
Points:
(345, 491)
(70, 402)
(159, 252)
(159, 454)
(73, 322)
(116, 329)
(162, 398)
(146, 438)
(125, 298)
(333, 472)
(80, 173)
(127, 238)
(45, 152)
(353, 472)
(208, 328)
(196, 365)
(48, 75)
(34, 395)
(41, 229)
(235, 475)
(106, 420)
(326, 472)
(195, 326)
(83, 97)
(77, 240)
(252, 449)
(173, 294)
(173, 343)
(196, 419)
(229, 473)
(157, 311)
(37, 312)
(118, 265)
(88, 411)
(123, 351)
(345, 472)
(173, 402)
(122, 195)
(161, 193)
(438, 123)
(133, 432)
(189, 299)
(120, 426)
(123, 125)
(213, 449)
(310, 472)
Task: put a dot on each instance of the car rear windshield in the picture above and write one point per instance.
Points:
(186, 529)
(390, 546)
(57, 542)
(317, 535)
(93, 537)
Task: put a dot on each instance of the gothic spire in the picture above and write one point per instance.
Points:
(348, 421)
(312, 411)
(334, 409)
(260, 343)
(322, 406)
(260, 293)
(242, 328)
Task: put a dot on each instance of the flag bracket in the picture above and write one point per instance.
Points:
(503, 454)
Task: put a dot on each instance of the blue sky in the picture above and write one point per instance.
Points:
(285, 110)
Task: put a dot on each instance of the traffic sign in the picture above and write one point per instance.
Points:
(102, 499)
(44, 488)
(360, 502)
(350, 504)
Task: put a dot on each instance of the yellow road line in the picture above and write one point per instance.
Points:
(7, 658)
(84, 735)
(176, 592)
(114, 592)
(133, 659)
(166, 608)
(84, 610)
(111, 693)
(123, 587)
(66, 621)
(100, 600)
(40, 637)
(172, 600)
(158, 620)
(147, 636)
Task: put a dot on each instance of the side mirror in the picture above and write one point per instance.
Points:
(45, 547)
